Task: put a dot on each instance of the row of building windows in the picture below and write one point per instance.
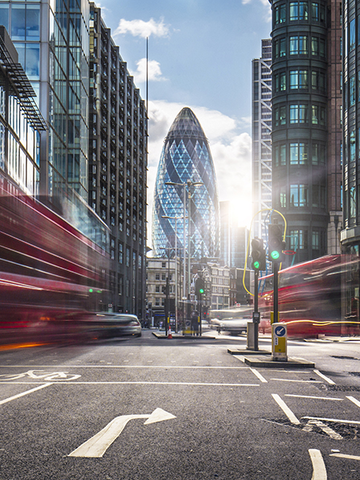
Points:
(299, 114)
(298, 195)
(300, 80)
(298, 153)
(299, 239)
(299, 11)
(299, 45)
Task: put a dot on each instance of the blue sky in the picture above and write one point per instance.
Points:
(200, 54)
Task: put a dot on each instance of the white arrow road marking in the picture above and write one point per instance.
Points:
(319, 470)
(327, 379)
(99, 443)
(325, 428)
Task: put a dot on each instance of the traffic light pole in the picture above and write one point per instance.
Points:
(256, 310)
(276, 291)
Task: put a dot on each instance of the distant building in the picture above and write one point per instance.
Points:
(233, 239)
(261, 139)
(186, 186)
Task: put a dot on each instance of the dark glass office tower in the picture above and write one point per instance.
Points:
(186, 186)
(305, 102)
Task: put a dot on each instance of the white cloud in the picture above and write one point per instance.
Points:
(139, 28)
(154, 71)
(230, 148)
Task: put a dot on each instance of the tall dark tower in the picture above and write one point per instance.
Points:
(186, 187)
(301, 122)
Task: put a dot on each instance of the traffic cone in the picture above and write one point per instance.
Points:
(169, 332)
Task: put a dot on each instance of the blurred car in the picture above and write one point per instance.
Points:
(117, 324)
(234, 326)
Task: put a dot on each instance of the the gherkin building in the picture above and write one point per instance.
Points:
(186, 186)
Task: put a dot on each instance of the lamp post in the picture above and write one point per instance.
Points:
(188, 184)
(176, 276)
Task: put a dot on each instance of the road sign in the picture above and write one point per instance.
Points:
(280, 330)
(97, 445)
(279, 341)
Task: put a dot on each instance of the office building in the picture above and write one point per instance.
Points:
(118, 165)
(306, 125)
(186, 187)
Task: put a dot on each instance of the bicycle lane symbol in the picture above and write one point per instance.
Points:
(39, 375)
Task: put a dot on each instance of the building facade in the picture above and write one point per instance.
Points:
(118, 166)
(94, 151)
(20, 122)
(306, 127)
(261, 138)
(186, 187)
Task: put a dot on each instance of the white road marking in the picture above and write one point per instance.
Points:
(334, 420)
(97, 445)
(325, 428)
(285, 409)
(315, 398)
(356, 402)
(296, 381)
(327, 379)
(319, 470)
(24, 393)
(259, 376)
(129, 366)
(343, 455)
(144, 383)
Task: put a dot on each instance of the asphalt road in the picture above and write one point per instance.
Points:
(148, 408)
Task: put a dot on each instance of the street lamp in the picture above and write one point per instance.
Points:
(189, 185)
(176, 276)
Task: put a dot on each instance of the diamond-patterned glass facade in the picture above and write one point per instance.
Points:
(186, 162)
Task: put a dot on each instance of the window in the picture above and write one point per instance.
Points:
(315, 12)
(298, 195)
(298, 114)
(157, 288)
(318, 81)
(317, 115)
(352, 90)
(280, 14)
(315, 240)
(298, 45)
(298, 239)
(318, 154)
(298, 153)
(280, 48)
(157, 276)
(299, 11)
(352, 37)
(283, 197)
(298, 79)
(318, 46)
(280, 116)
(280, 82)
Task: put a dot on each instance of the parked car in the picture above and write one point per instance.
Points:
(234, 326)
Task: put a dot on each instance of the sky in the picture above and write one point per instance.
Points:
(200, 54)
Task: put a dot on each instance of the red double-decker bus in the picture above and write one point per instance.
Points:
(312, 297)
(51, 275)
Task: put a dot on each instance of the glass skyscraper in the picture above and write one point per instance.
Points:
(186, 186)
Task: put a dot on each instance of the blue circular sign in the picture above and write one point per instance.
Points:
(280, 331)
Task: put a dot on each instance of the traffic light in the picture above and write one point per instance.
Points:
(199, 286)
(276, 244)
(258, 254)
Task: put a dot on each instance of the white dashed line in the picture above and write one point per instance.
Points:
(285, 409)
(259, 376)
(314, 398)
(343, 455)
(295, 381)
(327, 379)
(356, 402)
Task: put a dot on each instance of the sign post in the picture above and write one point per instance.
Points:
(279, 342)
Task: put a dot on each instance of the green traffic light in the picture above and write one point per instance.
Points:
(275, 255)
(256, 265)
(90, 290)
(201, 290)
